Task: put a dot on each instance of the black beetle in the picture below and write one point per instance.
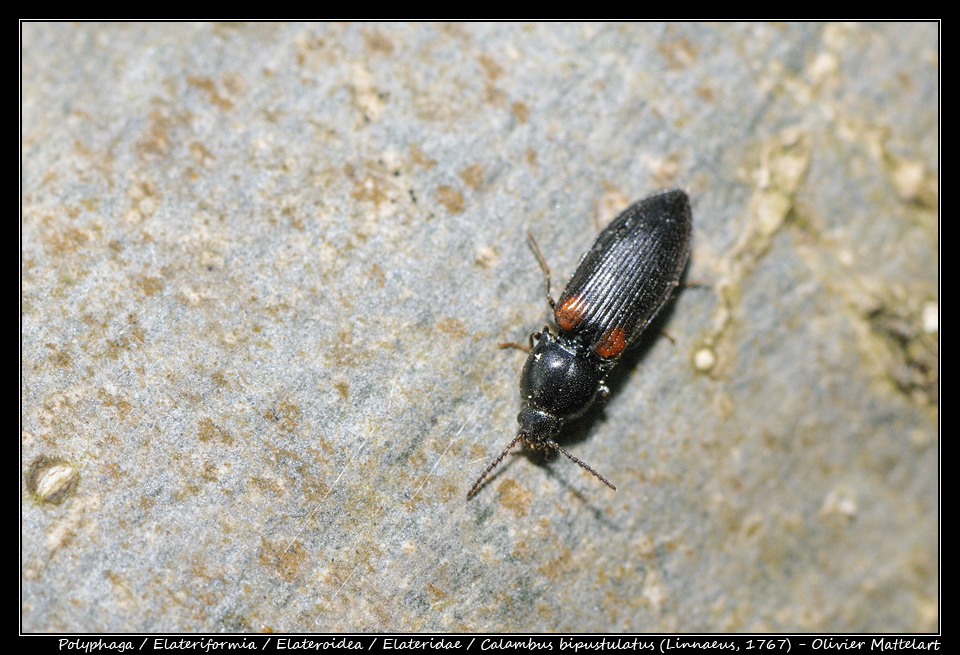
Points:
(618, 288)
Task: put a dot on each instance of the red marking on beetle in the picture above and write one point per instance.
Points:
(570, 312)
(612, 343)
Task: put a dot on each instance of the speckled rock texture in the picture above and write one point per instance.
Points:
(265, 270)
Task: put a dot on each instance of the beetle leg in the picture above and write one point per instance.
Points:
(514, 344)
(602, 392)
(546, 270)
(519, 346)
(667, 335)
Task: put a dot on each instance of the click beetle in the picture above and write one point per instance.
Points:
(618, 288)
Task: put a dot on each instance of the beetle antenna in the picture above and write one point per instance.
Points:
(553, 444)
(513, 443)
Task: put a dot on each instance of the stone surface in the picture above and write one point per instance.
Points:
(265, 269)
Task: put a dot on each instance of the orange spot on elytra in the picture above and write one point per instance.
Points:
(612, 343)
(570, 312)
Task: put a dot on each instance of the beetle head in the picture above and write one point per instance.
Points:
(537, 426)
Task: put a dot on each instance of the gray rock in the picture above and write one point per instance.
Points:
(265, 270)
